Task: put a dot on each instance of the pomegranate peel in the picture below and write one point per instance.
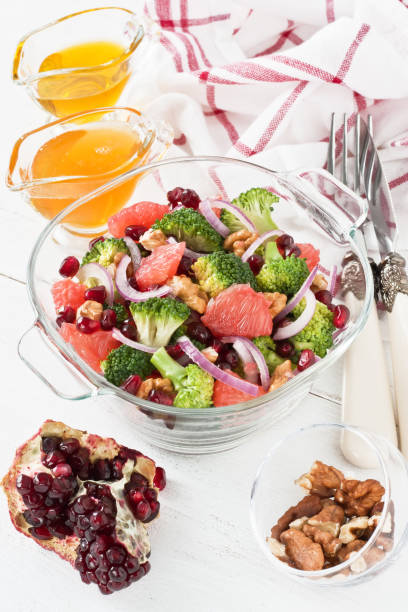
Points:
(95, 520)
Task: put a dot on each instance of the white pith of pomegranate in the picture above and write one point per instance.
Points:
(86, 498)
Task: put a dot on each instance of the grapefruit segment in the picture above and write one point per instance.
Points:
(239, 311)
(141, 213)
(224, 395)
(308, 252)
(92, 348)
(160, 266)
(67, 293)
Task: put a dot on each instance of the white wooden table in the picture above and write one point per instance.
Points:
(204, 556)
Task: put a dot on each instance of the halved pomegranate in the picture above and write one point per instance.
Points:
(87, 499)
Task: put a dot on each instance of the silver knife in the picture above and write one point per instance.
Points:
(391, 275)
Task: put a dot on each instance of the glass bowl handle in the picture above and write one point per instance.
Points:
(340, 210)
(44, 354)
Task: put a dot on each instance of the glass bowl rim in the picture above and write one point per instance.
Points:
(368, 437)
(100, 386)
(139, 35)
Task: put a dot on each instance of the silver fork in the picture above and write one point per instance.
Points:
(367, 400)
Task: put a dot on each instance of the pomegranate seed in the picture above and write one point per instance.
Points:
(136, 496)
(41, 533)
(52, 458)
(285, 349)
(151, 495)
(69, 446)
(185, 266)
(175, 351)
(142, 511)
(131, 565)
(101, 470)
(69, 267)
(324, 296)
(160, 397)
(33, 500)
(230, 356)
(306, 359)
(108, 319)
(79, 462)
(224, 365)
(31, 519)
(285, 241)
(159, 479)
(95, 240)
(97, 294)
(341, 315)
(42, 482)
(185, 197)
(62, 469)
(49, 443)
(198, 331)
(132, 384)
(128, 329)
(87, 326)
(68, 314)
(135, 231)
(116, 555)
(255, 263)
(60, 530)
(217, 345)
(59, 321)
(294, 251)
(24, 484)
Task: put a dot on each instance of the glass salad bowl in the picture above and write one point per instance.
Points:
(313, 208)
(275, 490)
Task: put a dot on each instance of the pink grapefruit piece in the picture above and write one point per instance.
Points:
(225, 395)
(67, 293)
(141, 213)
(239, 311)
(160, 266)
(92, 348)
(308, 252)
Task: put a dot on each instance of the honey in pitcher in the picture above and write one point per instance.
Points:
(81, 90)
(76, 162)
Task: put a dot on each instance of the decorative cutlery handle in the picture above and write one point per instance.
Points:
(367, 400)
(398, 324)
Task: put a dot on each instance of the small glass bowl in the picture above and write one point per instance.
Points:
(63, 91)
(274, 491)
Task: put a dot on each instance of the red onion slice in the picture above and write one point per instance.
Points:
(206, 207)
(136, 345)
(134, 252)
(255, 355)
(297, 297)
(323, 270)
(127, 292)
(255, 245)
(216, 372)
(294, 328)
(95, 270)
(333, 279)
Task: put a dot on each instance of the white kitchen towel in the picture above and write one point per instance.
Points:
(259, 79)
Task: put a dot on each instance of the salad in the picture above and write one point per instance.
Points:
(198, 302)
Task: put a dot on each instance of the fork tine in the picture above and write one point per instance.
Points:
(331, 149)
(344, 152)
(357, 155)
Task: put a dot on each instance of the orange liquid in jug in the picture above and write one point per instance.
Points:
(65, 94)
(78, 161)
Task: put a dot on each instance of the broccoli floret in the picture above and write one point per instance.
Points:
(125, 361)
(220, 270)
(257, 204)
(189, 225)
(182, 331)
(318, 333)
(157, 319)
(104, 252)
(268, 349)
(194, 386)
(283, 275)
(120, 310)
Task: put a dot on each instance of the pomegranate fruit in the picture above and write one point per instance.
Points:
(86, 498)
